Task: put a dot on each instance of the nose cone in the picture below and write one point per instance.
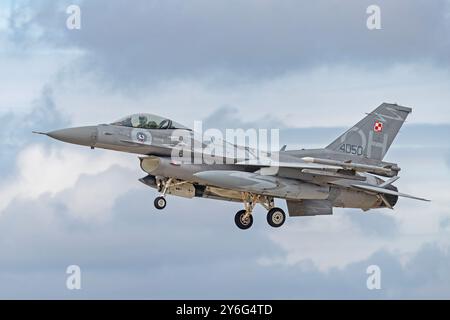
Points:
(85, 136)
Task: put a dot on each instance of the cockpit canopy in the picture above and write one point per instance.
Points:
(148, 121)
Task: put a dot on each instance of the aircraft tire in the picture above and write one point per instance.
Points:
(160, 203)
(276, 217)
(238, 219)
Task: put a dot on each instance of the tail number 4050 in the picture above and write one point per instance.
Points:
(352, 149)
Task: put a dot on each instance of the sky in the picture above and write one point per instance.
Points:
(310, 69)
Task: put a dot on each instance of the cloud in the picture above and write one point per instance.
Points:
(410, 138)
(32, 165)
(375, 224)
(137, 253)
(95, 193)
(86, 71)
(43, 169)
(94, 213)
(321, 241)
(78, 206)
(227, 117)
(300, 100)
(16, 127)
(233, 64)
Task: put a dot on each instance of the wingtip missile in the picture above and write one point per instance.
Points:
(348, 165)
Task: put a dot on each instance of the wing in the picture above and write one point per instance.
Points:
(286, 188)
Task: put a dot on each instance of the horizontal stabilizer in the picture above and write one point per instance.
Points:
(386, 191)
(389, 182)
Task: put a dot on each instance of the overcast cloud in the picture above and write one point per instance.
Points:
(252, 38)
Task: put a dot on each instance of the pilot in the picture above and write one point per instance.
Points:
(142, 122)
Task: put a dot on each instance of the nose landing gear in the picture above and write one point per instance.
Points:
(160, 202)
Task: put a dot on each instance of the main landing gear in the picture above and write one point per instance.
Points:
(244, 218)
(276, 217)
(160, 202)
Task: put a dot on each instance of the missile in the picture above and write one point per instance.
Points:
(354, 166)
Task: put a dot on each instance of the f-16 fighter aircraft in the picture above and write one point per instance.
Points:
(344, 174)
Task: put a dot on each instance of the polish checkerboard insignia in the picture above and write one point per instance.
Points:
(378, 126)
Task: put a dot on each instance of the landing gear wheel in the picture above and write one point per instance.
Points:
(241, 222)
(276, 217)
(160, 203)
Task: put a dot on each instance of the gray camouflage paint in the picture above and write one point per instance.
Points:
(307, 191)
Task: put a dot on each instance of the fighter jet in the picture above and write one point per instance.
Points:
(346, 173)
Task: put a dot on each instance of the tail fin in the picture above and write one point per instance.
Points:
(372, 136)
